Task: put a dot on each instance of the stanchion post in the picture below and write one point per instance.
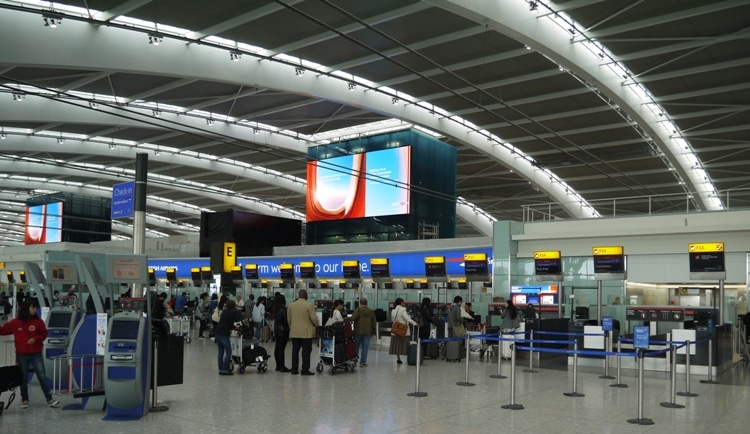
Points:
(499, 375)
(640, 420)
(607, 349)
(619, 383)
(673, 382)
(466, 375)
(687, 391)
(512, 405)
(710, 379)
(575, 393)
(531, 354)
(417, 393)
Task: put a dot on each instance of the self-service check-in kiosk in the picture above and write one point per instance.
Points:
(126, 363)
(60, 324)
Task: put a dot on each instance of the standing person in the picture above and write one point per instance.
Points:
(29, 333)
(249, 308)
(425, 321)
(201, 312)
(456, 318)
(240, 303)
(511, 322)
(281, 330)
(303, 323)
(259, 312)
(157, 310)
(336, 315)
(179, 304)
(364, 327)
(56, 299)
(400, 344)
(228, 321)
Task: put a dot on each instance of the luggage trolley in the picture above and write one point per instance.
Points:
(10, 373)
(246, 350)
(337, 348)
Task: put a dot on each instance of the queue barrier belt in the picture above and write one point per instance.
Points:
(541, 332)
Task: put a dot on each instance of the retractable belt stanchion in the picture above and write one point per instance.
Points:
(531, 353)
(687, 391)
(575, 393)
(619, 383)
(640, 420)
(417, 393)
(155, 407)
(466, 376)
(499, 375)
(673, 382)
(710, 379)
(607, 349)
(512, 405)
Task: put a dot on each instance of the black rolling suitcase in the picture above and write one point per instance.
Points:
(452, 351)
(10, 378)
(433, 350)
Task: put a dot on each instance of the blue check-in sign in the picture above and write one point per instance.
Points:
(641, 337)
(123, 199)
(607, 323)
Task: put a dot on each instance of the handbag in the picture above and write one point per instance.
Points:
(215, 317)
(399, 329)
(459, 330)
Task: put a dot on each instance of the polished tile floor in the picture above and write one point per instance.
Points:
(374, 400)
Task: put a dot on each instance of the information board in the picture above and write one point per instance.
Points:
(351, 269)
(476, 266)
(122, 200)
(654, 314)
(379, 268)
(286, 271)
(251, 271)
(609, 263)
(307, 270)
(434, 266)
(127, 269)
(641, 337)
(547, 263)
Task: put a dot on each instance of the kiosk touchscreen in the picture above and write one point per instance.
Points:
(126, 363)
(60, 324)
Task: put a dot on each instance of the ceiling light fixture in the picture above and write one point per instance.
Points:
(2, 136)
(299, 72)
(533, 6)
(18, 97)
(528, 47)
(60, 140)
(351, 86)
(157, 152)
(155, 39)
(111, 146)
(52, 20)
(394, 100)
(235, 55)
(93, 105)
(209, 122)
(156, 113)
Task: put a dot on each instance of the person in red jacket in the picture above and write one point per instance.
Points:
(29, 333)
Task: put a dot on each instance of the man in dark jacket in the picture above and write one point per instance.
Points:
(364, 327)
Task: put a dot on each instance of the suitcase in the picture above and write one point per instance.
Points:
(439, 328)
(254, 355)
(349, 329)
(433, 350)
(506, 350)
(411, 358)
(452, 351)
(350, 349)
(10, 378)
(339, 354)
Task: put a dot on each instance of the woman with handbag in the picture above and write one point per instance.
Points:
(400, 336)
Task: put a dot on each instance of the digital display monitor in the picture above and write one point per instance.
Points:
(434, 266)
(462, 284)
(423, 285)
(475, 264)
(379, 268)
(707, 262)
(409, 284)
(44, 223)
(307, 270)
(548, 299)
(286, 272)
(609, 264)
(251, 272)
(171, 275)
(359, 185)
(206, 274)
(519, 298)
(351, 269)
(9, 275)
(151, 277)
(59, 320)
(195, 275)
(236, 273)
(124, 330)
(532, 299)
(388, 285)
(548, 266)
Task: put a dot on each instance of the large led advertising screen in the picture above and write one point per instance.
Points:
(44, 223)
(360, 185)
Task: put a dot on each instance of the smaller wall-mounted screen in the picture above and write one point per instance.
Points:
(286, 271)
(475, 264)
(379, 268)
(251, 272)
(707, 262)
(44, 223)
(351, 269)
(609, 264)
(307, 270)
(434, 266)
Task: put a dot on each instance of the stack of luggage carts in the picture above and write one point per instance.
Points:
(246, 350)
(337, 348)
